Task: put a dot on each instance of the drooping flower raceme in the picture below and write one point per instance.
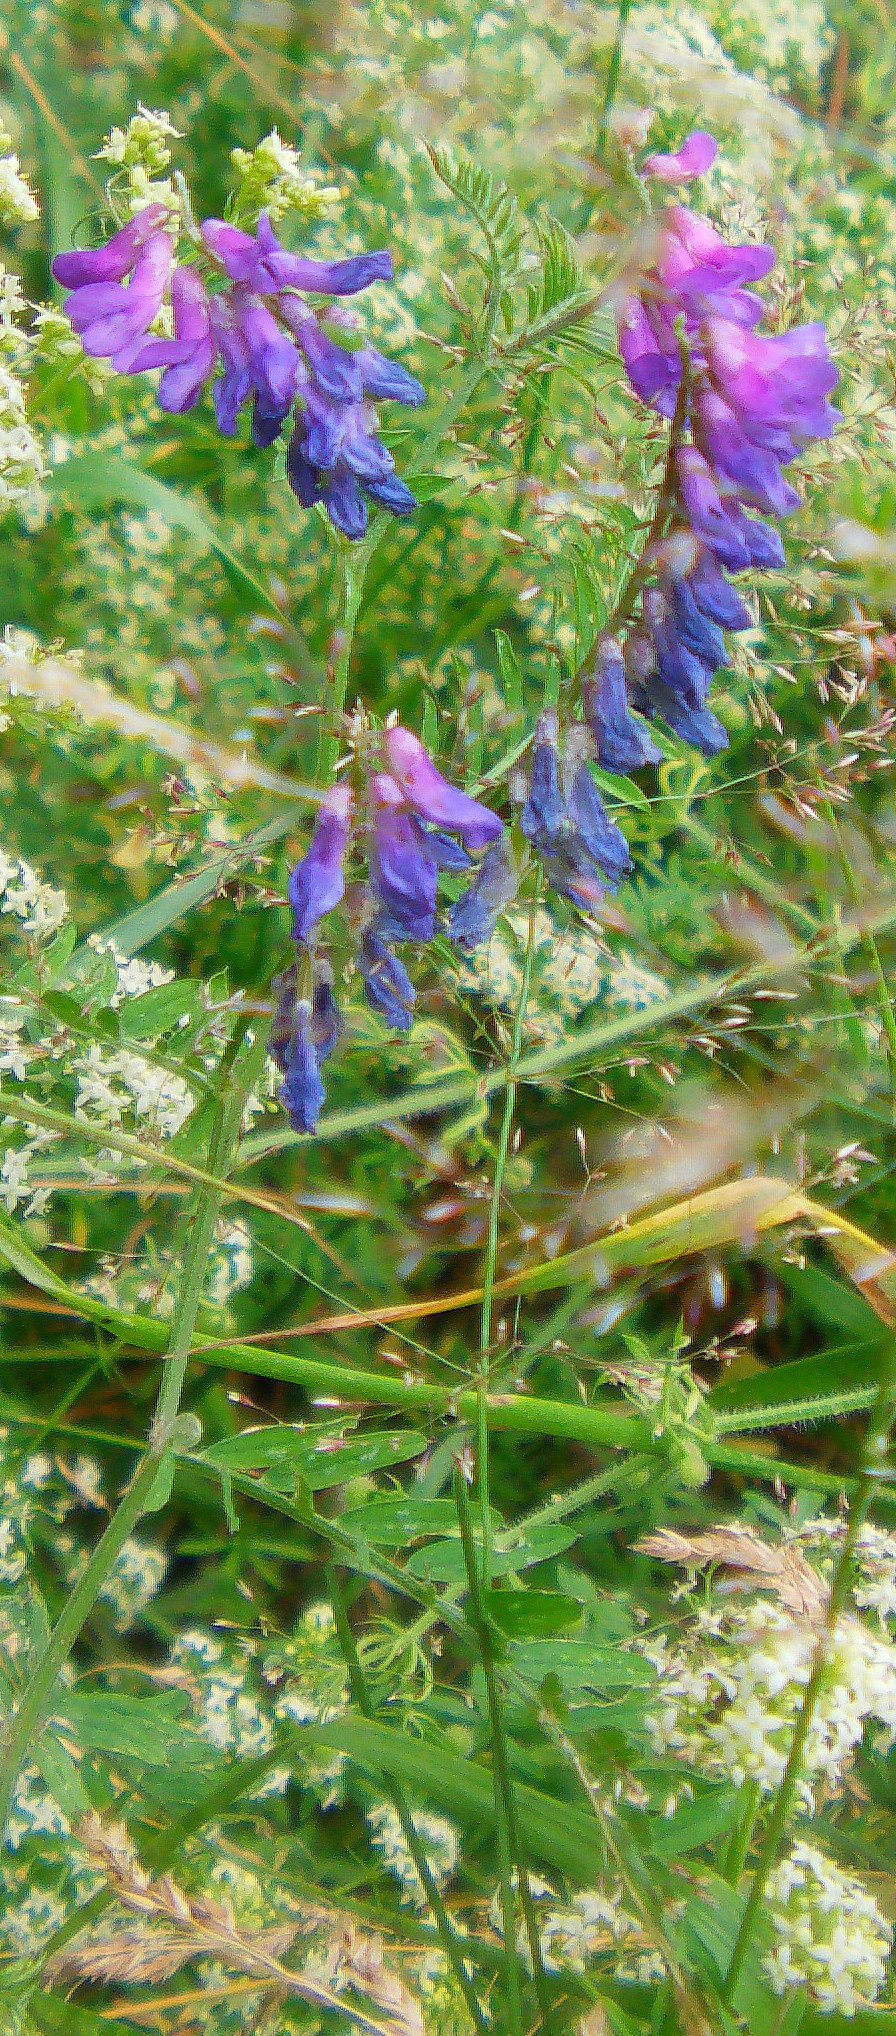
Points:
(416, 825)
(241, 317)
(743, 404)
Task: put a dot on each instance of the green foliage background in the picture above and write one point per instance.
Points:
(626, 1358)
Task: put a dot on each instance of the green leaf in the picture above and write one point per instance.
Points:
(443, 1561)
(558, 1833)
(288, 1455)
(523, 1615)
(97, 479)
(54, 2016)
(491, 204)
(148, 1730)
(392, 1523)
(695, 1824)
(582, 1665)
(158, 1010)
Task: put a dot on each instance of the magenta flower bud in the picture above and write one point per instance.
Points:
(317, 882)
(431, 795)
(693, 159)
(111, 262)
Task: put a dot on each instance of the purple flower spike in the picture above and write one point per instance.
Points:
(317, 882)
(693, 159)
(622, 741)
(431, 795)
(403, 874)
(112, 262)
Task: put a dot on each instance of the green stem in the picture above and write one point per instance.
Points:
(613, 71)
(362, 1698)
(874, 1467)
(491, 1253)
(509, 1849)
(742, 1835)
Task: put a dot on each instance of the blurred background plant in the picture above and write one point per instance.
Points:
(371, 1699)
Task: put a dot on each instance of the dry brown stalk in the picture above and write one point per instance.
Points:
(171, 1929)
(785, 1569)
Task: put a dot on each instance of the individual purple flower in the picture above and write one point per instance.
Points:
(432, 796)
(317, 883)
(189, 358)
(115, 259)
(403, 873)
(474, 915)
(387, 985)
(693, 159)
(267, 267)
(110, 316)
(564, 817)
(303, 1035)
(622, 741)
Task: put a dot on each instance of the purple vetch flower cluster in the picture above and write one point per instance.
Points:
(417, 825)
(240, 315)
(744, 404)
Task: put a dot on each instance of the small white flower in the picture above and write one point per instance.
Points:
(438, 1839)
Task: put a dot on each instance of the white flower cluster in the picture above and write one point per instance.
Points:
(136, 1576)
(16, 1184)
(39, 907)
(18, 205)
(22, 464)
(139, 152)
(135, 976)
(874, 1589)
(593, 1923)
(272, 180)
(438, 1839)
(218, 1674)
(231, 1263)
(113, 1082)
(730, 1691)
(831, 1940)
(306, 1672)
